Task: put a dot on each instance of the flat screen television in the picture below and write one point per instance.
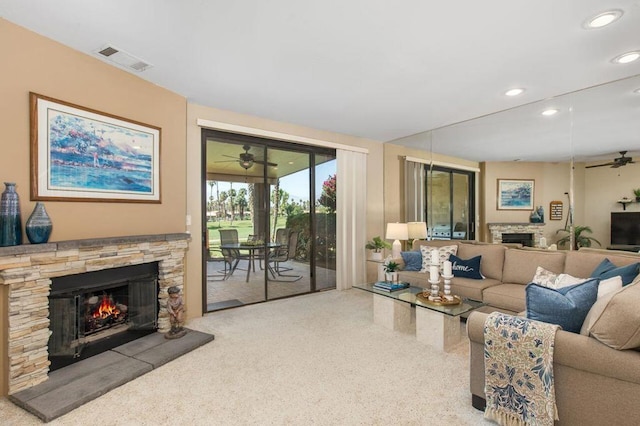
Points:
(625, 228)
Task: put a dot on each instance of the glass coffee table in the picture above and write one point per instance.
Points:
(435, 325)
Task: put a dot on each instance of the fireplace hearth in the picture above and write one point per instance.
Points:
(96, 311)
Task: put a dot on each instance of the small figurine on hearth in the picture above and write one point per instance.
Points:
(176, 310)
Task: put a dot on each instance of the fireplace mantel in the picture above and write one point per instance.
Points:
(26, 272)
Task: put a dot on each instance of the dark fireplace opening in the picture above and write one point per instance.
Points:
(526, 239)
(96, 311)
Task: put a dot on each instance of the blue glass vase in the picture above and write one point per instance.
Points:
(10, 221)
(38, 226)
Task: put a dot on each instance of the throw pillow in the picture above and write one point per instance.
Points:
(615, 319)
(606, 269)
(567, 306)
(469, 268)
(412, 260)
(565, 280)
(609, 285)
(443, 252)
(544, 278)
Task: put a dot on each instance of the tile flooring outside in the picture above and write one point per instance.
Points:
(236, 290)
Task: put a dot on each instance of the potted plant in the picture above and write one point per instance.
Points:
(377, 245)
(636, 192)
(579, 240)
(391, 270)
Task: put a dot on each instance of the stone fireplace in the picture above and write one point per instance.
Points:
(27, 272)
(529, 232)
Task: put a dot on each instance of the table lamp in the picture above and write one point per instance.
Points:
(417, 230)
(397, 232)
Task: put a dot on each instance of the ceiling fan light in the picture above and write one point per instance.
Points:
(603, 19)
(246, 164)
(626, 58)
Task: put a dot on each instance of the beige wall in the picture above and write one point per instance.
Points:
(372, 182)
(32, 63)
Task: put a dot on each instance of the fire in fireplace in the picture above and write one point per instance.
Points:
(96, 311)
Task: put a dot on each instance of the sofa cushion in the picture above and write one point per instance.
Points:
(567, 306)
(443, 253)
(412, 260)
(466, 268)
(470, 288)
(615, 319)
(582, 262)
(520, 265)
(492, 257)
(505, 296)
(606, 269)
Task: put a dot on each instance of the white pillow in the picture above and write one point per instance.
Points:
(609, 285)
(544, 278)
(443, 252)
(565, 280)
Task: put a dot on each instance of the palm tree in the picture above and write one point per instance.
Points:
(579, 240)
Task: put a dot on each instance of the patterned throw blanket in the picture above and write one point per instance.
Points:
(518, 363)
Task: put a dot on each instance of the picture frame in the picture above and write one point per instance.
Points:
(80, 154)
(515, 194)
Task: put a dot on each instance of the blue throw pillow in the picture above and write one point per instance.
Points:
(566, 306)
(469, 268)
(412, 260)
(606, 269)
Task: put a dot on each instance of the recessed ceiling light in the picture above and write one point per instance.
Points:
(549, 112)
(637, 91)
(603, 19)
(625, 58)
(514, 92)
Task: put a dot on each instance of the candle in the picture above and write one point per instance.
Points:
(447, 268)
(435, 257)
(433, 273)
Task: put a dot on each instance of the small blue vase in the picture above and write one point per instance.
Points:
(38, 226)
(10, 220)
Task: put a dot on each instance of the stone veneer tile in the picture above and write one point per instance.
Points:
(27, 270)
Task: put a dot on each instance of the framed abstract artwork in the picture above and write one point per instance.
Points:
(515, 194)
(79, 154)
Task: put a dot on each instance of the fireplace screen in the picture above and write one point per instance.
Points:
(97, 311)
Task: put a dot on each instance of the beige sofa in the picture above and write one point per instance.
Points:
(594, 383)
(508, 269)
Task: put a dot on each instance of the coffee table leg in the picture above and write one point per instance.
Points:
(391, 314)
(437, 330)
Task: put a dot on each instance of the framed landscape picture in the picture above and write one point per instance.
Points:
(515, 194)
(79, 154)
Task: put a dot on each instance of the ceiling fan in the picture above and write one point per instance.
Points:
(617, 162)
(247, 159)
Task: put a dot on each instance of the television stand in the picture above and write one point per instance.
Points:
(625, 247)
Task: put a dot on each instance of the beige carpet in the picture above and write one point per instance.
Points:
(315, 359)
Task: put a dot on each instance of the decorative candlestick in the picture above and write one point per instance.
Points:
(435, 289)
(447, 287)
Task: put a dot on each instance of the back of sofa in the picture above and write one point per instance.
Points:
(492, 260)
(581, 263)
(520, 265)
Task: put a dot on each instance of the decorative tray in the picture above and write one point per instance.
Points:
(442, 302)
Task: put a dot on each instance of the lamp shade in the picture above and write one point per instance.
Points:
(397, 231)
(417, 230)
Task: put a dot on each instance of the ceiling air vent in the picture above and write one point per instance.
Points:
(122, 58)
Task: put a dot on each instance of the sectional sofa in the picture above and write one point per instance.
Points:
(595, 383)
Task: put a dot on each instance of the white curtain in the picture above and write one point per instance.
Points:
(351, 218)
(414, 185)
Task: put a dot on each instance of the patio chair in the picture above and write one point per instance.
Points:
(232, 256)
(284, 254)
(215, 255)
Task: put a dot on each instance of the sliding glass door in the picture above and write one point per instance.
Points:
(450, 204)
(267, 231)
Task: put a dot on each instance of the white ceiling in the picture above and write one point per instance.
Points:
(378, 69)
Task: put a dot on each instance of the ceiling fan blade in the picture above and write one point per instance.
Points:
(601, 165)
(265, 162)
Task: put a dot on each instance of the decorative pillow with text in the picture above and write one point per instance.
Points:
(469, 268)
